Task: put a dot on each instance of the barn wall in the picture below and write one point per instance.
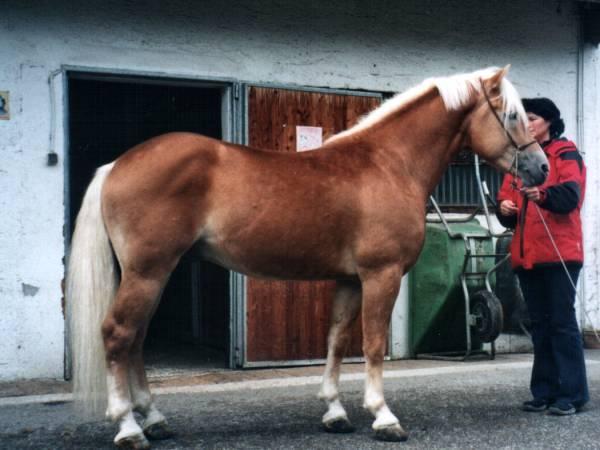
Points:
(384, 45)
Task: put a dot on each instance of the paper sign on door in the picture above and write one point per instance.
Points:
(308, 138)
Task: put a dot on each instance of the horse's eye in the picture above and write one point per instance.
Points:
(512, 116)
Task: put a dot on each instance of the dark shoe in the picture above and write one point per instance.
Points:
(562, 409)
(535, 405)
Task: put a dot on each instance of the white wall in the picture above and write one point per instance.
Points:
(591, 225)
(343, 44)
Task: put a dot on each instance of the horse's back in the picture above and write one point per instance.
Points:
(259, 212)
(180, 188)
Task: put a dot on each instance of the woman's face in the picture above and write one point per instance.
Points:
(538, 127)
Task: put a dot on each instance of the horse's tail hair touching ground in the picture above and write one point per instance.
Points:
(91, 287)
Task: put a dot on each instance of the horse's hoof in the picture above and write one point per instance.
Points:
(339, 425)
(393, 433)
(133, 442)
(158, 431)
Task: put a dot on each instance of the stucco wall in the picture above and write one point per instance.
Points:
(591, 225)
(334, 44)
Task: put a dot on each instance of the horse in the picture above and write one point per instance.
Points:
(352, 211)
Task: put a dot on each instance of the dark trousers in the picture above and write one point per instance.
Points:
(558, 366)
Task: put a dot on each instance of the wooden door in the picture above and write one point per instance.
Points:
(287, 322)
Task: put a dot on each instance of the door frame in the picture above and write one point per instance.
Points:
(238, 281)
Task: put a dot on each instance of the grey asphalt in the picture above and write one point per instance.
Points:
(460, 405)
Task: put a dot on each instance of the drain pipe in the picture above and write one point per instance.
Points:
(52, 156)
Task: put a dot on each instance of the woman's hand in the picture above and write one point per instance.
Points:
(508, 208)
(532, 193)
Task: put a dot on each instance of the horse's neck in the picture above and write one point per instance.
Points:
(419, 141)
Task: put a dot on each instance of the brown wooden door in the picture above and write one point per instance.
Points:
(288, 321)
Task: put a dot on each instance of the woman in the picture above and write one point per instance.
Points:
(558, 379)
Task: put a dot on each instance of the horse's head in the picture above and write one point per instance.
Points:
(497, 130)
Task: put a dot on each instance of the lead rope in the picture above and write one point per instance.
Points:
(562, 261)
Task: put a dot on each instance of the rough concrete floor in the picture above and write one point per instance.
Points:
(193, 377)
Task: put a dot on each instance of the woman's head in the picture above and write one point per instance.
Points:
(544, 118)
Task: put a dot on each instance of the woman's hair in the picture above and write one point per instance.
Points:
(557, 127)
(545, 108)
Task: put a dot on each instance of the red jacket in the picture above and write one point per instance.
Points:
(562, 197)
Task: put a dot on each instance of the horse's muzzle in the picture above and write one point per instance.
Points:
(533, 174)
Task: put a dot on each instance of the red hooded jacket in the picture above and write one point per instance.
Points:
(561, 199)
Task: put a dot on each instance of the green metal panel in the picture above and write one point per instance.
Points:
(437, 305)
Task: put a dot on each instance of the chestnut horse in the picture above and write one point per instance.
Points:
(352, 211)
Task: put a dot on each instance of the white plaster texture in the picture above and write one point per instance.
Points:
(591, 215)
(349, 44)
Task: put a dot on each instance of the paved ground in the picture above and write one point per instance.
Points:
(442, 405)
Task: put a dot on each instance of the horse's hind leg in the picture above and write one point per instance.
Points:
(380, 289)
(124, 324)
(346, 306)
(155, 424)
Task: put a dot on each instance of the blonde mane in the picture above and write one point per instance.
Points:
(455, 90)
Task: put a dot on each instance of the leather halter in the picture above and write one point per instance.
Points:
(515, 163)
(519, 148)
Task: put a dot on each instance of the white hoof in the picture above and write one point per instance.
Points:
(335, 411)
(130, 434)
(385, 419)
(133, 442)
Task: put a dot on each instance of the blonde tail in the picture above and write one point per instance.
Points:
(90, 289)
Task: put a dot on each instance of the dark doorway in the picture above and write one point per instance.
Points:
(107, 116)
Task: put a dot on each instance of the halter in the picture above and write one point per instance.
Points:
(515, 162)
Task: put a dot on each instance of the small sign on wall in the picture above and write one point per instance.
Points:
(308, 138)
(4, 106)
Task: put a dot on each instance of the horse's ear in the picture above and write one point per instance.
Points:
(493, 83)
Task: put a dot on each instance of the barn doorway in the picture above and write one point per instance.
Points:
(109, 114)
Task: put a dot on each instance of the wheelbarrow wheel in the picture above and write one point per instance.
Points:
(508, 290)
(486, 309)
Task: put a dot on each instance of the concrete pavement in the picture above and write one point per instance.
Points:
(441, 404)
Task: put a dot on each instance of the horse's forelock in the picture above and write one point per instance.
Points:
(512, 103)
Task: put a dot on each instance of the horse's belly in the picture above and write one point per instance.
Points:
(279, 262)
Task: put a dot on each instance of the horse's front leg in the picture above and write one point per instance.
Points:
(380, 289)
(346, 306)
